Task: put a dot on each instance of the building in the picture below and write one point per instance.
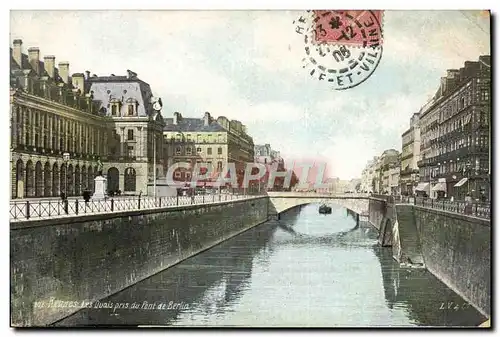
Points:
(394, 179)
(455, 155)
(354, 185)
(135, 115)
(410, 155)
(63, 127)
(215, 142)
(264, 154)
(272, 159)
(368, 175)
(388, 159)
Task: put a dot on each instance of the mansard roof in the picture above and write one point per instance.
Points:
(192, 125)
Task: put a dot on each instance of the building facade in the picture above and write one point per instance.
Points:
(264, 154)
(410, 155)
(394, 179)
(457, 152)
(64, 127)
(368, 176)
(388, 160)
(214, 142)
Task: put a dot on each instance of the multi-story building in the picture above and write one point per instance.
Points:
(388, 158)
(429, 123)
(264, 154)
(62, 126)
(456, 152)
(410, 155)
(367, 176)
(394, 179)
(272, 159)
(215, 142)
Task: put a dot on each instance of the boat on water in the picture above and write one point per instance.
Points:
(325, 209)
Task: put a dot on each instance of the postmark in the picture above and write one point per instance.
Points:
(342, 48)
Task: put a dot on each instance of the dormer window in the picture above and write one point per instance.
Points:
(115, 107)
(131, 107)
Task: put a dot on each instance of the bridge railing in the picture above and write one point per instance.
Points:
(46, 209)
(474, 208)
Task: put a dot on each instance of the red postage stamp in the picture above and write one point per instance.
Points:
(361, 28)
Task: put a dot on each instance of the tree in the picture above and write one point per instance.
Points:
(358, 187)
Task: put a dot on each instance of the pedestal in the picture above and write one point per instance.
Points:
(100, 187)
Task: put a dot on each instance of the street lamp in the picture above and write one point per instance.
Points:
(468, 166)
(66, 160)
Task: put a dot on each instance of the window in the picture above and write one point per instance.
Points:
(189, 151)
(130, 150)
(219, 150)
(209, 150)
(188, 175)
(177, 174)
(129, 180)
(220, 139)
(485, 95)
(178, 137)
(131, 110)
(130, 134)
(198, 138)
(114, 110)
(198, 149)
(188, 137)
(219, 166)
(178, 150)
(209, 138)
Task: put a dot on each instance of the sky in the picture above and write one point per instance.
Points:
(246, 65)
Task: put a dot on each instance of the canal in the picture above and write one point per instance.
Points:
(305, 270)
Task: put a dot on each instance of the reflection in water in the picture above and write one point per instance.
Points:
(304, 270)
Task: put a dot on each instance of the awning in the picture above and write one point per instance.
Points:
(461, 182)
(439, 187)
(421, 186)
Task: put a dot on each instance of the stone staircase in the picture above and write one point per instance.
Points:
(411, 250)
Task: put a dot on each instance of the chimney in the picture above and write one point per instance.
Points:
(443, 86)
(87, 74)
(34, 59)
(206, 119)
(49, 64)
(177, 118)
(131, 74)
(17, 52)
(64, 71)
(78, 81)
(450, 73)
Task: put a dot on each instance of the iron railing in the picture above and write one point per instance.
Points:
(46, 209)
(473, 208)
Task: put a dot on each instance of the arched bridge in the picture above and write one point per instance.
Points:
(281, 201)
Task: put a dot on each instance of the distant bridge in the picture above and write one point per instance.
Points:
(279, 202)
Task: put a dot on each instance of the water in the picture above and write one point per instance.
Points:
(305, 270)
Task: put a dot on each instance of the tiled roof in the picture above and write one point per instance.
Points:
(192, 125)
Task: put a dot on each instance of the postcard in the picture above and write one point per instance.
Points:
(252, 168)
